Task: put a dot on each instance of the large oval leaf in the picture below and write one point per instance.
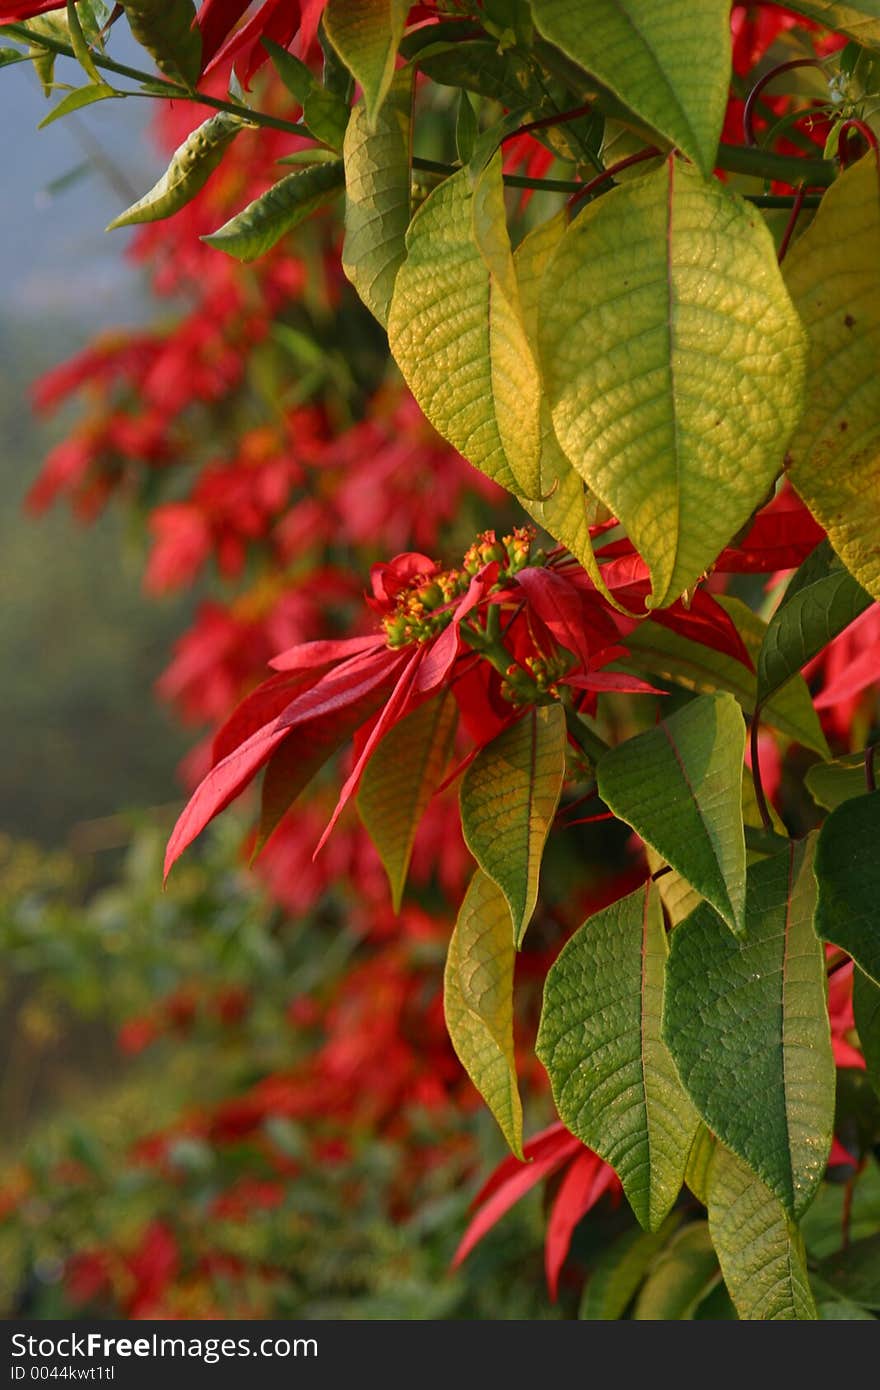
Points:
(377, 196)
(667, 60)
(509, 797)
(747, 1023)
(679, 786)
(613, 1079)
(848, 874)
(673, 360)
(833, 274)
(455, 329)
(478, 1002)
(760, 1251)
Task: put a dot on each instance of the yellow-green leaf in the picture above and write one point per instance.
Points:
(365, 34)
(478, 1002)
(256, 229)
(192, 164)
(377, 195)
(455, 329)
(667, 60)
(758, 1247)
(613, 1080)
(509, 797)
(673, 360)
(399, 781)
(859, 19)
(833, 274)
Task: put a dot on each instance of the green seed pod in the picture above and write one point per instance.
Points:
(167, 30)
(192, 164)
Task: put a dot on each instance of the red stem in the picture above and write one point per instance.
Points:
(558, 119)
(650, 153)
(792, 222)
(866, 133)
(749, 110)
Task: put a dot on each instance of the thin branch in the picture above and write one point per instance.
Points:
(761, 799)
(749, 109)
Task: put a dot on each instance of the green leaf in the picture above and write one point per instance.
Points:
(848, 874)
(366, 36)
(192, 164)
(619, 1270)
(673, 362)
(167, 29)
(503, 75)
(259, 226)
(664, 653)
(855, 1272)
(455, 329)
(830, 784)
(682, 1276)
(76, 100)
(466, 128)
(679, 786)
(613, 1079)
(478, 1002)
(833, 275)
(399, 781)
(866, 1008)
(377, 196)
(861, 20)
(759, 1250)
(813, 612)
(667, 60)
(8, 56)
(324, 112)
(746, 1021)
(80, 45)
(509, 796)
(696, 1174)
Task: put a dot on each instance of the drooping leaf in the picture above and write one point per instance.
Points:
(667, 60)
(455, 329)
(76, 100)
(619, 1270)
(509, 796)
(832, 783)
(681, 1277)
(759, 1249)
(814, 610)
(79, 44)
(673, 361)
(613, 1079)
(257, 228)
(848, 874)
(192, 164)
(377, 196)
(324, 112)
(866, 1009)
(860, 19)
(366, 36)
(399, 781)
(679, 786)
(697, 667)
(833, 275)
(167, 29)
(478, 1002)
(747, 1023)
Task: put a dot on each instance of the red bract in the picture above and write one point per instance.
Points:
(587, 1179)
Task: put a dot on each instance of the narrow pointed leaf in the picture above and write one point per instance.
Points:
(617, 1273)
(804, 623)
(377, 196)
(324, 112)
(478, 1002)
(673, 361)
(399, 781)
(680, 787)
(683, 1274)
(613, 1079)
(848, 874)
(760, 1252)
(76, 100)
(747, 1023)
(257, 228)
(667, 60)
(366, 36)
(192, 164)
(697, 667)
(833, 275)
(509, 796)
(455, 329)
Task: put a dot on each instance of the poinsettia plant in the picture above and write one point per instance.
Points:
(632, 276)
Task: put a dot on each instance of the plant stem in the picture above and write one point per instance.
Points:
(587, 740)
(761, 799)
